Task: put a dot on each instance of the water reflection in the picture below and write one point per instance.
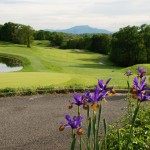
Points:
(9, 64)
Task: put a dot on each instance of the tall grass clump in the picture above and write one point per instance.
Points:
(131, 133)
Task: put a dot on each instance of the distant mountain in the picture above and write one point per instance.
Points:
(82, 29)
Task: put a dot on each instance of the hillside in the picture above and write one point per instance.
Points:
(82, 30)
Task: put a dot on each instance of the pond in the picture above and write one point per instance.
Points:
(9, 64)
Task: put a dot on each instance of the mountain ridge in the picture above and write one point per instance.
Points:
(82, 29)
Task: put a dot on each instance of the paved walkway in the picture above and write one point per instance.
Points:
(32, 122)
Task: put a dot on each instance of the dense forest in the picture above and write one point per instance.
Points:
(129, 46)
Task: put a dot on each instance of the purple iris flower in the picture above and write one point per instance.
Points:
(73, 123)
(140, 89)
(141, 71)
(97, 95)
(85, 97)
(143, 97)
(128, 73)
(78, 99)
(142, 85)
(102, 85)
(81, 100)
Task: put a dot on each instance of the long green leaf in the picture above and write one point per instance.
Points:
(80, 143)
(128, 85)
(94, 128)
(99, 146)
(105, 132)
(105, 126)
(94, 123)
(98, 126)
(135, 113)
(89, 134)
(89, 129)
(73, 143)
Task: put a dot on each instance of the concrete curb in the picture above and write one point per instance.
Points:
(54, 91)
(57, 91)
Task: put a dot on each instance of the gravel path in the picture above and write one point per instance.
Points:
(32, 122)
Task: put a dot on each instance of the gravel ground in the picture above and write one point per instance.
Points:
(32, 122)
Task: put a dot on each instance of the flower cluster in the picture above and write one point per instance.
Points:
(139, 86)
(93, 100)
(100, 92)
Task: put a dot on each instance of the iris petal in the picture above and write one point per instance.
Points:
(68, 118)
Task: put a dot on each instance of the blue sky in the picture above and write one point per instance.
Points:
(62, 14)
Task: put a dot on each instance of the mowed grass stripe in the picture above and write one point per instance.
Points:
(32, 79)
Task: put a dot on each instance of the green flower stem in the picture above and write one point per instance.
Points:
(80, 142)
(99, 117)
(80, 126)
(132, 125)
(89, 128)
(94, 128)
(79, 111)
(89, 134)
(88, 112)
(128, 98)
(73, 134)
(73, 140)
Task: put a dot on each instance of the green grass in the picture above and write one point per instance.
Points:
(44, 66)
(41, 43)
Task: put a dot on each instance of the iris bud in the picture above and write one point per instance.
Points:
(113, 91)
(95, 106)
(79, 131)
(133, 91)
(61, 128)
(86, 107)
(70, 106)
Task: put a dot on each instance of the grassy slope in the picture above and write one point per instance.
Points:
(59, 68)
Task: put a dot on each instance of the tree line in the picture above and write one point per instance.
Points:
(16, 33)
(129, 46)
(99, 43)
(23, 34)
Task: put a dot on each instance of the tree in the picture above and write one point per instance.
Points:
(1, 31)
(145, 36)
(24, 35)
(126, 47)
(40, 35)
(56, 39)
(28, 35)
(7, 31)
(16, 33)
(100, 43)
(84, 42)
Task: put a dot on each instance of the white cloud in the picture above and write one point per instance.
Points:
(59, 14)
